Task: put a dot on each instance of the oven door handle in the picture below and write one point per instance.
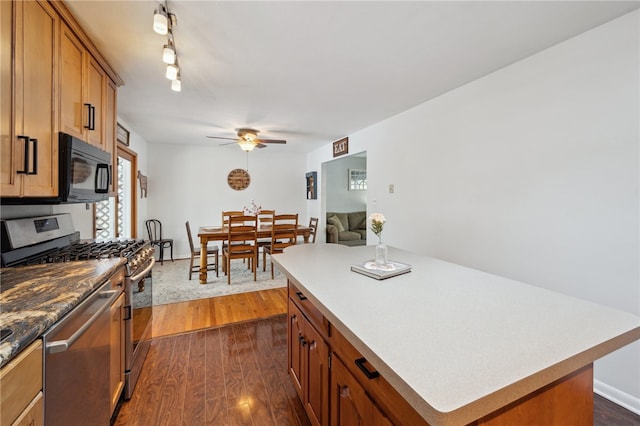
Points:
(64, 345)
(136, 278)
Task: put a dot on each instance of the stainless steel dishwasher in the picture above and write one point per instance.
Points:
(76, 363)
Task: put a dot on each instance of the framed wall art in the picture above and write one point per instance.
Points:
(122, 135)
(312, 185)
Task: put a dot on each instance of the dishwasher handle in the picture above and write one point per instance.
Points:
(64, 345)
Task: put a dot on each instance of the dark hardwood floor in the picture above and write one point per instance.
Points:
(236, 374)
(607, 413)
(231, 375)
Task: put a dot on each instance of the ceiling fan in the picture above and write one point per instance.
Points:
(248, 139)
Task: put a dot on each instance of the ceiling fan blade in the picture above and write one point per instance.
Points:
(228, 143)
(271, 141)
(222, 137)
(260, 145)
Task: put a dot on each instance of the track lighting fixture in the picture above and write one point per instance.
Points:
(163, 23)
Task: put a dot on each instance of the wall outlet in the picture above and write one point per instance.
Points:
(391, 188)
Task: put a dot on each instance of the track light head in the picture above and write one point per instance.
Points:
(169, 53)
(161, 20)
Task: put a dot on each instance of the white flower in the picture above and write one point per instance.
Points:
(377, 223)
(253, 210)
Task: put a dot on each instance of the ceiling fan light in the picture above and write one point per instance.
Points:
(169, 54)
(176, 85)
(246, 145)
(172, 71)
(161, 20)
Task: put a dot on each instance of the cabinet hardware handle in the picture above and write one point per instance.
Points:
(370, 374)
(88, 125)
(344, 392)
(35, 157)
(102, 179)
(301, 339)
(301, 296)
(93, 118)
(26, 155)
(127, 312)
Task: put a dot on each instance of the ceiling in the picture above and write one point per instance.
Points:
(314, 72)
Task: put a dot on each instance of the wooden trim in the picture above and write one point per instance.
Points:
(129, 154)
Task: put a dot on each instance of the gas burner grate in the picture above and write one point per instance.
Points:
(88, 251)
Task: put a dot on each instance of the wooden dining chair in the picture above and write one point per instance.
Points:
(265, 218)
(242, 236)
(196, 253)
(154, 229)
(283, 234)
(228, 213)
(225, 222)
(313, 224)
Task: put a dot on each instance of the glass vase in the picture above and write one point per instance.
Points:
(381, 254)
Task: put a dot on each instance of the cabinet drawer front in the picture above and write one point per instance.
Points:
(117, 279)
(311, 312)
(20, 381)
(34, 413)
(384, 395)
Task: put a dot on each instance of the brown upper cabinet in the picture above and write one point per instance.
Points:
(83, 86)
(29, 140)
(53, 80)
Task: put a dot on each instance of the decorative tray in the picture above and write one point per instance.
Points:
(391, 269)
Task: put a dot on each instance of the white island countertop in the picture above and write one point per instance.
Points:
(455, 342)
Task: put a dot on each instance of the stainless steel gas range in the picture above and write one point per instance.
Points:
(53, 239)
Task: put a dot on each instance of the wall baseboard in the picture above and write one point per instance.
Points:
(623, 399)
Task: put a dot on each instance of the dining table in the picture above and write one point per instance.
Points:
(220, 233)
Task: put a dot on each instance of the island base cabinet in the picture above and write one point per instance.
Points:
(294, 361)
(568, 401)
(350, 404)
(308, 365)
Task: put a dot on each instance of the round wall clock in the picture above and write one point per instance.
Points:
(238, 179)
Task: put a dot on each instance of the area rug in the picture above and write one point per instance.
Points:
(171, 284)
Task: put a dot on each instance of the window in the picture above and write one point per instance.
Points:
(357, 180)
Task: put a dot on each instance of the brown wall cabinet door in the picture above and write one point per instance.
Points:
(29, 140)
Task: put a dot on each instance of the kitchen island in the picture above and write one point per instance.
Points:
(33, 298)
(458, 345)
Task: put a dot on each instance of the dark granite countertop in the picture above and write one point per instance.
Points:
(33, 298)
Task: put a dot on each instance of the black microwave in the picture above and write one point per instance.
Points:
(84, 172)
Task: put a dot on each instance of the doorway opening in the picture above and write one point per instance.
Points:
(345, 187)
(116, 216)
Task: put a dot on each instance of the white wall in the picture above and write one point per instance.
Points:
(189, 182)
(338, 196)
(531, 173)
